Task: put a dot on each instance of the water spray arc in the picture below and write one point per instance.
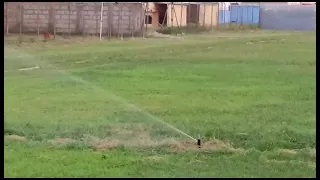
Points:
(43, 63)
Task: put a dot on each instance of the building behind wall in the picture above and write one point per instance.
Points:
(167, 14)
(208, 14)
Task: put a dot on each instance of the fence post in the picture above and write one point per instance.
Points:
(147, 13)
(21, 20)
(97, 13)
(204, 15)
(259, 21)
(118, 22)
(218, 15)
(7, 23)
(54, 22)
(181, 14)
(110, 20)
(83, 29)
(69, 18)
(121, 21)
(211, 14)
(241, 16)
(198, 15)
(38, 28)
(130, 19)
(101, 21)
(143, 15)
(224, 14)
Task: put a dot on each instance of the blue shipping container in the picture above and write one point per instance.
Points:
(249, 15)
(224, 17)
(245, 14)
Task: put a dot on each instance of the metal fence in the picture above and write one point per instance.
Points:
(288, 17)
(272, 16)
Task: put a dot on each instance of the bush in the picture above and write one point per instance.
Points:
(189, 29)
(235, 27)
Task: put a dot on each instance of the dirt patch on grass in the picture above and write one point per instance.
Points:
(210, 146)
(312, 165)
(61, 141)
(288, 151)
(139, 136)
(16, 138)
(308, 163)
(139, 141)
(99, 144)
(170, 144)
(313, 153)
(154, 158)
(310, 152)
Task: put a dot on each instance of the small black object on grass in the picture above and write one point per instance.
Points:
(199, 143)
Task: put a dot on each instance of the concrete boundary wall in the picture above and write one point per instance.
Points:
(70, 18)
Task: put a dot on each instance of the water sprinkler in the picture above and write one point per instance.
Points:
(199, 143)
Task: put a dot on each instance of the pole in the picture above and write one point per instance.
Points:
(55, 22)
(7, 27)
(211, 14)
(143, 19)
(171, 14)
(224, 14)
(118, 24)
(69, 26)
(147, 13)
(130, 23)
(121, 21)
(204, 15)
(83, 22)
(38, 28)
(101, 20)
(110, 20)
(182, 6)
(198, 15)
(21, 16)
(97, 31)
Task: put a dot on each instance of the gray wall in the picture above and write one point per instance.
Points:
(31, 17)
(285, 17)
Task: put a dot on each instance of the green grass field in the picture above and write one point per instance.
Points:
(95, 109)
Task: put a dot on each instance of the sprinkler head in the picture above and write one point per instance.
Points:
(199, 143)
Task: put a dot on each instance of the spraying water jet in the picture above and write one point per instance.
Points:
(112, 96)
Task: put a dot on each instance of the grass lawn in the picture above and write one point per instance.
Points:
(133, 108)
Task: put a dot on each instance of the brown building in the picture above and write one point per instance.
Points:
(169, 14)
